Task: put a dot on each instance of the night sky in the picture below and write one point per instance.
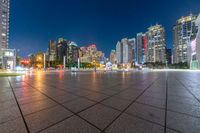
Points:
(34, 22)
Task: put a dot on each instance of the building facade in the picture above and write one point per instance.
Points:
(184, 32)
(72, 53)
(156, 45)
(52, 50)
(124, 51)
(68, 49)
(113, 57)
(119, 51)
(9, 59)
(4, 24)
(141, 48)
(62, 46)
(198, 41)
(4, 27)
(193, 49)
(169, 56)
(90, 53)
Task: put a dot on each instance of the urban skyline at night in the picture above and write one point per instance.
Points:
(102, 27)
(99, 66)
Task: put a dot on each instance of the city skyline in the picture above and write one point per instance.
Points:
(88, 23)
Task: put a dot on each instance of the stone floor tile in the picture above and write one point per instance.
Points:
(147, 112)
(78, 104)
(45, 118)
(116, 103)
(100, 115)
(128, 124)
(72, 125)
(14, 126)
(183, 123)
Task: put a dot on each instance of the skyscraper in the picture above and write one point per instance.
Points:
(156, 44)
(89, 54)
(119, 50)
(52, 50)
(124, 51)
(184, 32)
(72, 53)
(4, 23)
(62, 47)
(66, 48)
(113, 56)
(198, 41)
(141, 48)
(4, 27)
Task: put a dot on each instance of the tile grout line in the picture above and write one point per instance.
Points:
(166, 102)
(76, 114)
(19, 107)
(188, 89)
(99, 102)
(130, 104)
(63, 107)
(134, 115)
(167, 109)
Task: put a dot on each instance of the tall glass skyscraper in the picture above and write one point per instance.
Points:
(4, 23)
(198, 40)
(184, 32)
(156, 45)
(141, 48)
(4, 27)
(124, 51)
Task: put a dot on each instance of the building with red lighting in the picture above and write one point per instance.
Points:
(141, 48)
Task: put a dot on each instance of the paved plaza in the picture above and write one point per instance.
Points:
(108, 102)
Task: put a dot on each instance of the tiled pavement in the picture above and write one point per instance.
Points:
(87, 102)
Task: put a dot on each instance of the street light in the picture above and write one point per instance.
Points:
(39, 58)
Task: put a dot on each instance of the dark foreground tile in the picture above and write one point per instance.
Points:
(78, 104)
(9, 114)
(100, 115)
(72, 125)
(14, 126)
(147, 112)
(117, 103)
(129, 124)
(183, 123)
(45, 118)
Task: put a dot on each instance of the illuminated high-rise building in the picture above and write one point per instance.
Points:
(124, 51)
(184, 32)
(156, 46)
(4, 27)
(52, 50)
(4, 23)
(66, 48)
(89, 54)
(193, 48)
(141, 48)
(113, 56)
(198, 41)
